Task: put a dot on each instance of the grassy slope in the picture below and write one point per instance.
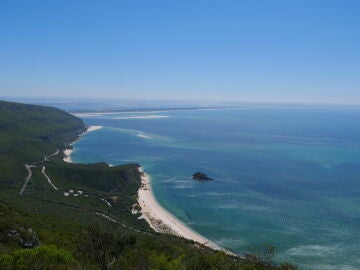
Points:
(27, 134)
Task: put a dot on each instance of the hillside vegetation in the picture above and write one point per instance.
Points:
(78, 216)
(28, 133)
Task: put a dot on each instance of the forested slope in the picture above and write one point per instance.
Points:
(29, 132)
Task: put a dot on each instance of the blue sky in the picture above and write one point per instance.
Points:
(261, 51)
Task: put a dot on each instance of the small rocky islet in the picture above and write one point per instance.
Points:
(200, 176)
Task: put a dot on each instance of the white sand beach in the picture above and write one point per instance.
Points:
(161, 220)
(68, 152)
(92, 128)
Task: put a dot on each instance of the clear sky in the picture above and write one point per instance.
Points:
(270, 50)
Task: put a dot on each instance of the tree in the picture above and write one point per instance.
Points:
(104, 244)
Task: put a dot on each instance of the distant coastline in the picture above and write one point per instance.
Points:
(80, 113)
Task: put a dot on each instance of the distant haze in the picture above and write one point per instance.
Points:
(211, 51)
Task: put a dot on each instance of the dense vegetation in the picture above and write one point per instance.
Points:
(82, 219)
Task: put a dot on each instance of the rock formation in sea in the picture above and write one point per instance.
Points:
(200, 176)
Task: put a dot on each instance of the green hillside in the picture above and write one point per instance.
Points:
(78, 216)
(28, 133)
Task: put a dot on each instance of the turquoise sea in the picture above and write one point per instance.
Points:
(285, 176)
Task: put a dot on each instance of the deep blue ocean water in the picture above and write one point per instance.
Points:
(285, 176)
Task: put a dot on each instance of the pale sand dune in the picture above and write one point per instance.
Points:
(67, 152)
(143, 136)
(161, 220)
(92, 128)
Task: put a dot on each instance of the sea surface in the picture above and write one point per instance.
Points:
(285, 176)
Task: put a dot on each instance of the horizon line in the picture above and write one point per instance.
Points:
(195, 101)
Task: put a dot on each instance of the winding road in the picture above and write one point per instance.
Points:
(27, 179)
(48, 178)
(28, 168)
(46, 158)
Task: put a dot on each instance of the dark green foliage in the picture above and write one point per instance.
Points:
(41, 258)
(99, 177)
(103, 244)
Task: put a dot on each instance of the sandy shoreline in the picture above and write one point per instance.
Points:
(155, 215)
(68, 152)
(163, 221)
